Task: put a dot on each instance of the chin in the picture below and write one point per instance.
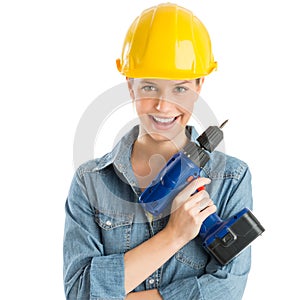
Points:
(169, 136)
(160, 138)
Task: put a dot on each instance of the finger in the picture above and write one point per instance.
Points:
(195, 199)
(192, 187)
(207, 212)
(200, 195)
(202, 214)
(198, 206)
(204, 203)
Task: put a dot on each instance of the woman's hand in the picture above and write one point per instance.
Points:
(188, 212)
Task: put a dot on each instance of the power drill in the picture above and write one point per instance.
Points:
(224, 240)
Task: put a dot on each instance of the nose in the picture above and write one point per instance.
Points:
(163, 103)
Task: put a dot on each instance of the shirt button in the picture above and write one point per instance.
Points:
(108, 223)
(151, 281)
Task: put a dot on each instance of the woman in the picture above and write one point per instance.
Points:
(113, 249)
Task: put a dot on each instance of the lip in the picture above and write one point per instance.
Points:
(161, 125)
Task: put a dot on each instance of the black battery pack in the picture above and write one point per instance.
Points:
(240, 234)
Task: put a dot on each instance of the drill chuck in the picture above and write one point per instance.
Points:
(211, 137)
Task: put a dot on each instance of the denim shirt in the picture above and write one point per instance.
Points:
(104, 221)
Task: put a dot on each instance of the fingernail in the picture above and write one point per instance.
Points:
(205, 178)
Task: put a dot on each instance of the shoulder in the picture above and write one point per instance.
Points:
(95, 165)
(224, 166)
(120, 153)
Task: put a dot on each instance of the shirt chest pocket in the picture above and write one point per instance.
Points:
(115, 231)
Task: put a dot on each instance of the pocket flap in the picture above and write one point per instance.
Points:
(112, 219)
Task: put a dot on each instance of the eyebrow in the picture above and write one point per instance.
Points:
(183, 82)
(147, 82)
(176, 84)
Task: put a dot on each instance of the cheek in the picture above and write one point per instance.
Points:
(187, 109)
(143, 106)
(185, 118)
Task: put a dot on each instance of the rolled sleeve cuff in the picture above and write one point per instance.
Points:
(183, 289)
(107, 277)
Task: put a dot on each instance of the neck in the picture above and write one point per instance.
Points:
(147, 146)
(149, 155)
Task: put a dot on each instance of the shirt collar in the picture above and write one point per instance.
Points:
(121, 153)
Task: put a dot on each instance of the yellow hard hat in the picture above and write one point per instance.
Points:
(168, 42)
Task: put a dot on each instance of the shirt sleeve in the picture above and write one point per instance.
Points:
(88, 274)
(220, 282)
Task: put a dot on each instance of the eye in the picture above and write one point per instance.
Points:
(180, 89)
(149, 88)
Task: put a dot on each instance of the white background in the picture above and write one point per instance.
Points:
(58, 56)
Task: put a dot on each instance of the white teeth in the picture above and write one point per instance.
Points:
(163, 120)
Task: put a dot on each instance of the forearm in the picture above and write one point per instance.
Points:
(145, 295)
(146, 258)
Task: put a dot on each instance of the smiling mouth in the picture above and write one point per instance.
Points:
(163, 121)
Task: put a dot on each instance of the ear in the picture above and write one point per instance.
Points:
(199, 86)
(130, 88)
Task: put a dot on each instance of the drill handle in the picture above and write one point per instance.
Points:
(210, 222)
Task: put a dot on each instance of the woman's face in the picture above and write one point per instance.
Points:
(164, 106)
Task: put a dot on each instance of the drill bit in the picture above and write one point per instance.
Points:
(223, 124)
